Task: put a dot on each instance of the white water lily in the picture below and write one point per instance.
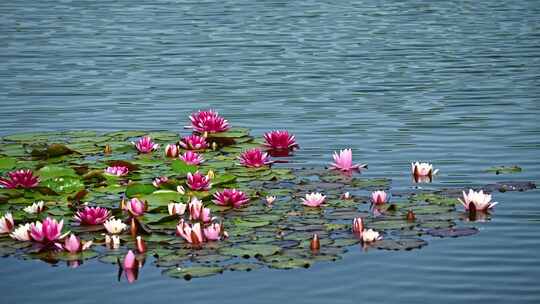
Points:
(115, 226)
(480, 200)
(181, 190)
(423, 169)
(6, 223)
(270, 199)
(314, 199)
(176, 208)
(35, 208)
(21, 233)
(370, 235)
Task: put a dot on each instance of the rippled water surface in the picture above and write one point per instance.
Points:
(456, 83)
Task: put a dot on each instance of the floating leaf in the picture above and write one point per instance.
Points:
(180, 167)
(504, 170)
(7, 163)
(452, 232)
(193, 272)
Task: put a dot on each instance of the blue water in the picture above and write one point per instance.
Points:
(456, 83)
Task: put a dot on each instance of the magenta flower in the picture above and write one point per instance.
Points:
(47, 231)
(192, 158)
(117, 170)
(20, 179)
(193, 142)
(197, 212)
(158, 181)
(73, 244)
(208, 121)
(171, 151)
(214, 232)
(313, 199)
(379, 197)
(146, 145)
(130, 262)
(198, 182)
(230, 197)
(136, 207)
(254, 158)
(479, 201)
(280, 140)
(343, 161)
(6, 223)
(193, 234)
(92, 215)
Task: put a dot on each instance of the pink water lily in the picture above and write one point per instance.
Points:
(92, 215)
(172, 151)
(193, 142)
(254, 158)
(422, 169)
(130, 261)
(176, 208)
(379, 197)
(197, 212)
(230, 197)
(198, 182)
(192, 158)
(158, 181)
(193, 234)
(479, 201)
(47, 231)
(136, 207)
(314, 199)
(343, 161)
(213, 232)
(208, 121)
(6, 223)
(20, 179)
(146, 145)
(117, 170)
(73, 244)
(280, 140)
(358, 225)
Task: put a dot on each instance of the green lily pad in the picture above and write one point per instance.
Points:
(250, 250)
(188, 273)
(504, 169)
(7, 163)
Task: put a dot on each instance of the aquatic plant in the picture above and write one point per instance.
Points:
(47, 231)
(280, 140)
(208, 121)
(343, 161)
(422, 169)
(193, 142)
(23, 178)
(172, 151)
(145, 145)
(379, 197)
(479, 201)
(35, 208)
(230, 197)
(314, 199)
(117, 170)
(192, 158)
(6, 223)
(254, 158)
(92, 215)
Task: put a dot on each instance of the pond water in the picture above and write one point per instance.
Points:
(453, 83)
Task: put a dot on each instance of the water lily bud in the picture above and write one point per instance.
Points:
(141, 245)
(411, 217)
(108, 149)
(210, 174)
(315, 243)
(214, 146)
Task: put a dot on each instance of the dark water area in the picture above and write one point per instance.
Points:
(456, 83)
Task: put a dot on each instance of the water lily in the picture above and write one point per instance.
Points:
(280, 140)
(92, 215)
(370, 235)
(6, 223)
(117, 170)
(315, 244)
(358, 225)
(176, 208)
(130, 261)
(379, 197)
(270, 199)
(73, 244)
(422, 169)
(230, 197)
(480, 201)
(314, 199)
(115, 226)
(136, 207)
(346, 196)
(20, 179)
(49, 230)
(198, 182)
(193, 142)
(21, 233)
(192, 158)
(113, 241)
(35, 208)
(254, 158)
(343, 161)
(172, 151)
(208, 121)
(193, 234)
(214, 232)
(158, 181)
(197, 212)
(146, 145)
(141, 244)
(181, 190)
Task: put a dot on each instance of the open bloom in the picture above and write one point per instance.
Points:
(230, 197)
(35, 208)
(47, 231)
(92, 215)
(160, 180)
(198, 182)
(208, 121)
(480, 201)
(136, 207)
(146, 145)
(176, 208)
(21, 233)
(313, 199)
(6, 223)
(214, 232)
(73, 244)
(254, 158)
(358, 225)
(379, 197)
(193, 234)
(270, 199)
(197, 212)
(280, 140)
(370, 235)
(193, 142)
(423, 169)
(343, 161)
(192, 158)
(115, 226)
(171, 151)
(117, 170)
(20, 179)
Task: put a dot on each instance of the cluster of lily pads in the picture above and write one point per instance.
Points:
(210, 201)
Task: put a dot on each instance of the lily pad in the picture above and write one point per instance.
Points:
(452, 232)
(188, 273)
